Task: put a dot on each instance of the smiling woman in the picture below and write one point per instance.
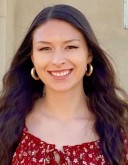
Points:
(60, 55)
(80, 119)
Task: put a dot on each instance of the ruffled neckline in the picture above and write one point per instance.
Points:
(33, 150)
(65, 147)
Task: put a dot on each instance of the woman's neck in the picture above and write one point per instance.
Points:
(65, 105)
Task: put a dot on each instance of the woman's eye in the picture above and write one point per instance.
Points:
(71, 47)
(45, 49)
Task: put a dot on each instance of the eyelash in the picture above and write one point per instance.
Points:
(44, 49)
(71, 47)
(48, 48)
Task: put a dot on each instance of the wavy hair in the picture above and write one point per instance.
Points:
(20, 91)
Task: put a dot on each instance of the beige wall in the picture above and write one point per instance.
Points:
(106, 18)
(2, 36)
(7, 14)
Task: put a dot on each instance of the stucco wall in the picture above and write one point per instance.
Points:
(7, 14)
(3, 36)
(106, 18)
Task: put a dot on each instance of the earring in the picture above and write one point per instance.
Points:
(89, 70)
(33, 74)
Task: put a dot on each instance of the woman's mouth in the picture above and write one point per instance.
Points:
(61, 73)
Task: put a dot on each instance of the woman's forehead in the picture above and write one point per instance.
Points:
(57, 29)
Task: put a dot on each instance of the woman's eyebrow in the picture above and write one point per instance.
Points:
(71, 40)
(67, 41)
(44, 42)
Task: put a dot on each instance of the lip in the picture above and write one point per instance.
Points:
(60, 74)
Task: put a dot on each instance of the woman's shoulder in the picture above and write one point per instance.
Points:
(124, 135)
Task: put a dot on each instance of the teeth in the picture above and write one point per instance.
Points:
(58, 74)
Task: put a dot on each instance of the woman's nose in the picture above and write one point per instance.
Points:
(58, 58)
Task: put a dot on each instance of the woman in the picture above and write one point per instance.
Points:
(59, 103)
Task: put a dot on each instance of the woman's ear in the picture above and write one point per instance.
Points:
(32, 58)
(90, 56)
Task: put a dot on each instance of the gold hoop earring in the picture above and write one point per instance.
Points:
(33, 74)
(89, 70)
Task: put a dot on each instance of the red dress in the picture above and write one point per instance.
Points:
(33, 151)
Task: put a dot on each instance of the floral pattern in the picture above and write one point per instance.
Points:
(33, 151)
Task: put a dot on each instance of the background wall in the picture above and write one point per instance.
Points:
(106, 18)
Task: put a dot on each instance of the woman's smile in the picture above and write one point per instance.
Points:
(60, 74)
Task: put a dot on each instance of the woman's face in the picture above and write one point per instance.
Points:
(60, 55)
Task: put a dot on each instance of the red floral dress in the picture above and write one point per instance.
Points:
(33, 151)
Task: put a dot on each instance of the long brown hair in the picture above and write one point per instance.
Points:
(20, 91)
